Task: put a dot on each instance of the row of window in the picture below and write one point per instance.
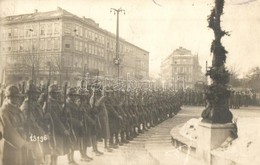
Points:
(48, 29)
(182, 69)
(70, 28)
(182, 61)
(26, 45)
(31, 30)
(77, 62)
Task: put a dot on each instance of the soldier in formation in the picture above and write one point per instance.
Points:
(40, 124)
(194, 97)
(242, 98)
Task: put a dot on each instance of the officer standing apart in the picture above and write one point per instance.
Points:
(15, 144)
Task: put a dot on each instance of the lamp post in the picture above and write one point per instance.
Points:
(33, 60)
(117, 60)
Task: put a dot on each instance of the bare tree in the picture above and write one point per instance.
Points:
(235, 81)
(252, 79)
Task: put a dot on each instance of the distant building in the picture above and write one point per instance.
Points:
(181, 69)
(67, 43)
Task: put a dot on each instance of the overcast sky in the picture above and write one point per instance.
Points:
(161, 26)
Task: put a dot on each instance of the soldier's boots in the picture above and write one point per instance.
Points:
(112, 144)
(86, 158)
(108, 149)
(144, 126)
(117, 141)
(128, 136)
(71, 159)
(133, 133)
(148, 125)
(140, 130)
(98, 153)
(123, 139)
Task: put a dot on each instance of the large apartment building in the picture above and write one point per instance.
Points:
(181, 69)
(67, 44)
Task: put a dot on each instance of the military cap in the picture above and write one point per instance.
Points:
(83, 91)
(108, 89)
(33, 89)
(12, 91)
(72, 91)
(54, 89)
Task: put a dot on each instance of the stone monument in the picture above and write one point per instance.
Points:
(216, 125)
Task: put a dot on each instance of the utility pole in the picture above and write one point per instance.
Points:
(33, 60)
(117, 60)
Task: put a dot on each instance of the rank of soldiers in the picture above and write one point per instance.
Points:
(38, 125)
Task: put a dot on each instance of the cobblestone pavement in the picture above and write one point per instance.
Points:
(154, 146)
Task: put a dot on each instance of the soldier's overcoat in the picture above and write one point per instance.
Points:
(14, 134)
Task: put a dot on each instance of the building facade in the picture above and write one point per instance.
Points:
(181, 69)
(66, 47)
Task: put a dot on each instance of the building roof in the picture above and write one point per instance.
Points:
(37, 16)
(181, 51)
(56, 14)
(178, 52)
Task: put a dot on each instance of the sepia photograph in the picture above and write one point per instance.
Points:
(129, 82)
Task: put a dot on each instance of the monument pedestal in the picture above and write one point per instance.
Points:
(211, 136)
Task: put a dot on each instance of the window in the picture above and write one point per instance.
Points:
(56, 28)
(95, 51)
(92, 49)
(86, 48)
(35, 30)
(14, 46)
(42, 29)
(96, 37)
(181, 69)
(67, 46)
(76, 30)
(86, 33)
(80, 31)
(21, 46)
(42, 44)
(80, 46)
(21, 31)
(57, 43)
(67, 28)
(89, 48)
(76, 45)
(34, 45)
(49, 44)
(15, 32)
(9, 33)
(49, 29)
(27, 31)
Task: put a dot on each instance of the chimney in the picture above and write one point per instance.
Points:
(35, 10)
(59, 8)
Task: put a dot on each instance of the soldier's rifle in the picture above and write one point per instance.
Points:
(2, 94)
(47, 114)
(29, 110)
(81, 105)
(67, 114)
(95, 88)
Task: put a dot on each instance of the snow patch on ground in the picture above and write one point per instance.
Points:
(246, 148)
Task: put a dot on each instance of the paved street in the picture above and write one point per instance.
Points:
(154, 147)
